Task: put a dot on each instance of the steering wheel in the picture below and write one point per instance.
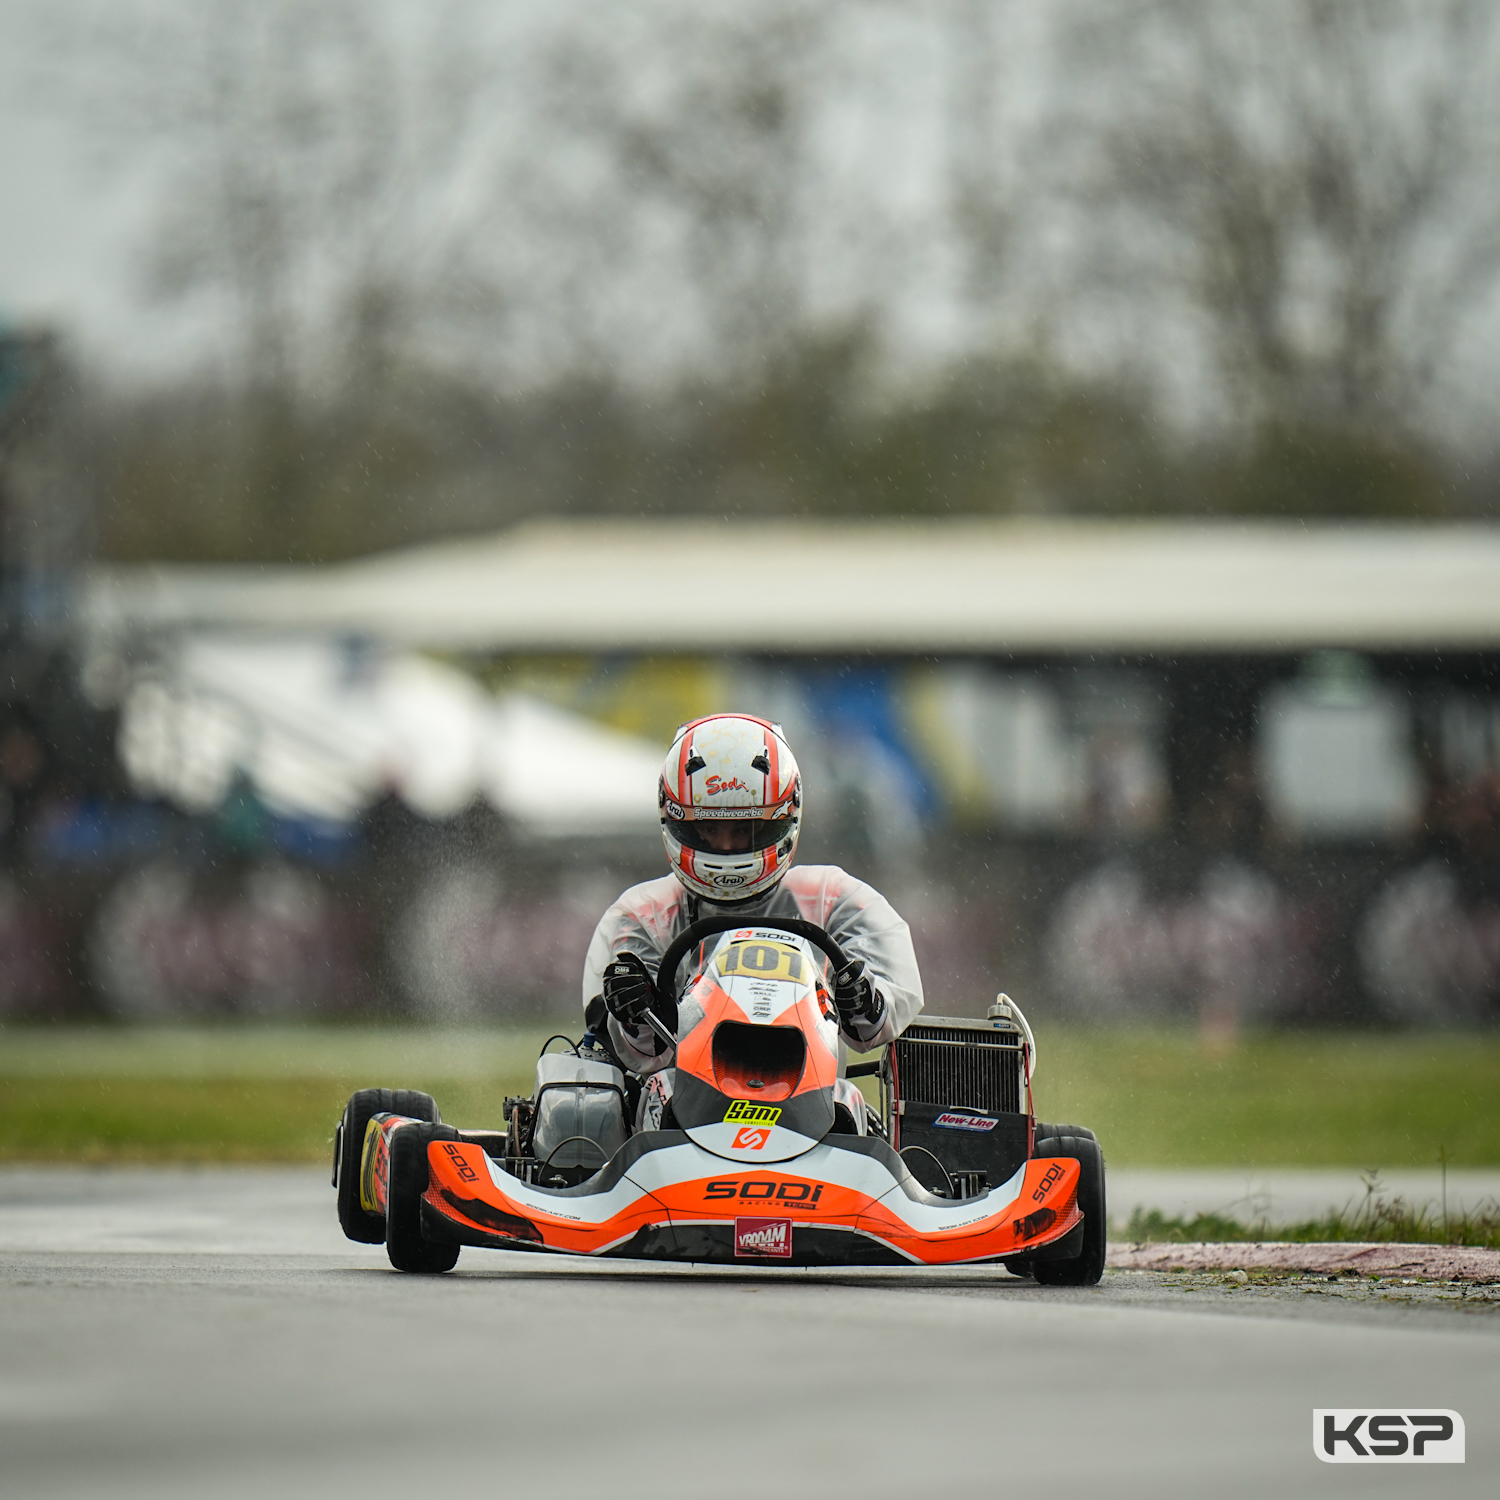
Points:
(671, 960)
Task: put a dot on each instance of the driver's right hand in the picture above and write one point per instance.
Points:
(628, 988)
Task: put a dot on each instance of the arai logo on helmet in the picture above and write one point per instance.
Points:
(674, 812)
(953, 1120)
(729, 880)
(716, 784)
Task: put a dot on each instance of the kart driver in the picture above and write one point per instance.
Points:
(731, 812)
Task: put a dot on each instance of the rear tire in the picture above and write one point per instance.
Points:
(405, 1244)
(1085, 1268)
(348, 1149)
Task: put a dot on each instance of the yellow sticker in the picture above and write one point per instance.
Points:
(764, 960)
(743, 1112)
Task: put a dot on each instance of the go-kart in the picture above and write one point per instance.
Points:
(751, 1150)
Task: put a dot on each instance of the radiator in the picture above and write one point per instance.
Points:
(960, 1064)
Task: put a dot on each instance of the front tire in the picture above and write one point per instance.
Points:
(405, 1244)
(348, 1151)
(1085, 1268)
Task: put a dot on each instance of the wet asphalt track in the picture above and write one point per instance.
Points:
(180, 1334)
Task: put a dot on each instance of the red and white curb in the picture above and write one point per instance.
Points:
(1436, 1262)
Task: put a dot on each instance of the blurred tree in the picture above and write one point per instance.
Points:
(476, 263)
(695, 122)
(1317, 178)
(981, 183)
(313, 154)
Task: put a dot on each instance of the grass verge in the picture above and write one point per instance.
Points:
(1277, 1099)
(1380, 1219)
(98, 1121)
(1153, 1098)
(268, 1094)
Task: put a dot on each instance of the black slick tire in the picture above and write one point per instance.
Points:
(349, 1145)
(406, 1181)
(1085, 1268)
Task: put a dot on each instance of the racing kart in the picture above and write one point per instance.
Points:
(752, 1150)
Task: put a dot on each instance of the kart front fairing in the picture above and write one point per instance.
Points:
(847, 1200)
(757, 1050)
(756, 1169)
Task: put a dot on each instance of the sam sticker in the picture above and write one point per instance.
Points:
(743, 1112)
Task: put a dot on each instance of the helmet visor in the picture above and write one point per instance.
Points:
(730, 835)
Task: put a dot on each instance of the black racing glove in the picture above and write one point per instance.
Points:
(856, 999)
(628, 989)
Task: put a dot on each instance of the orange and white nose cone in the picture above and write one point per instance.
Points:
(731, 806)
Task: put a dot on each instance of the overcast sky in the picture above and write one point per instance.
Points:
(66, 229)
(82, 204)
(78, 210)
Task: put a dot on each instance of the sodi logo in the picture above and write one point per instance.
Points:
(1347, 1435)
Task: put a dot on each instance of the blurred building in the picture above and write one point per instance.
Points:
(1134, 770)
(56, 749)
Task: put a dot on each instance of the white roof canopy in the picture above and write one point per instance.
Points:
(317, 734)
(780, 586)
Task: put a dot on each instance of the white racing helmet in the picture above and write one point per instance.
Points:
(731, 806)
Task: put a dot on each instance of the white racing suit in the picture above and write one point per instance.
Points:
(855, 915)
